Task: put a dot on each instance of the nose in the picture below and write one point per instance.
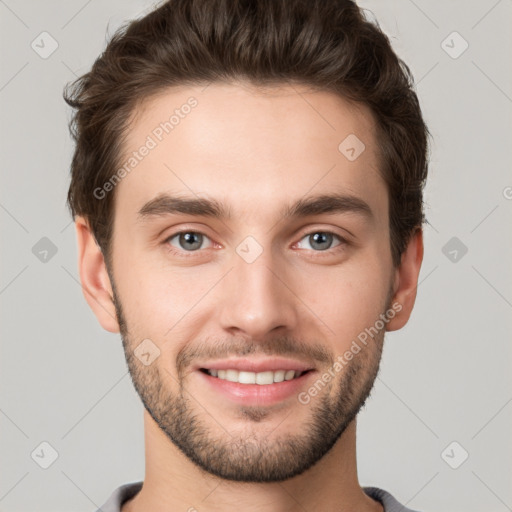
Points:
(256, 298)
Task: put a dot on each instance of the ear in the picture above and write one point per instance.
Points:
(406, 281)
(95, 281)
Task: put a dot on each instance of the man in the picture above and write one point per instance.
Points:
(247, 192)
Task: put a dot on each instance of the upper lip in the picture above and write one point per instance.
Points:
(256, 365)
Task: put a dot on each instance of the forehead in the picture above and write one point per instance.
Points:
(252, 148)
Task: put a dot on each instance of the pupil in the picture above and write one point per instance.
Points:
(189, 238)
(320, 238)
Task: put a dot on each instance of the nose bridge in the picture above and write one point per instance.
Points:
(254, 299)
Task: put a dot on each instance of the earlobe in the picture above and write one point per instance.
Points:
(406, 281)
(96, 285)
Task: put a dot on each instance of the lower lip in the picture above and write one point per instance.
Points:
(257, 394)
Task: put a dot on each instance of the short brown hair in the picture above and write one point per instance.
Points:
(325, 44)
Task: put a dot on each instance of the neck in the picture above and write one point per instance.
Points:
(173, 482)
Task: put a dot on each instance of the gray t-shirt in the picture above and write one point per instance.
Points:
(128, 491)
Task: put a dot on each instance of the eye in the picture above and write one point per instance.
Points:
(188, 241)
(322, 240)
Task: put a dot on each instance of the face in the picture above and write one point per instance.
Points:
(249, 317)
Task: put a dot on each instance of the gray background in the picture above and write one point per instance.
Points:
(444, 378)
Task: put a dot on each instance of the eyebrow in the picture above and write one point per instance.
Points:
(165, 204)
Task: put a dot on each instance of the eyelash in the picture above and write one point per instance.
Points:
(187, 254)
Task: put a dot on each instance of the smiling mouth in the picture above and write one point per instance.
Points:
(261, 378)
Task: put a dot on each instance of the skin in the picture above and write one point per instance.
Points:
(254, 150)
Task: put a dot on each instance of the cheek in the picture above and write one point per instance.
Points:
(161, 302)
(144, 291)
(350, 300)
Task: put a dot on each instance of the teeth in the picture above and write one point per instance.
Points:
(289, 375)
(279, 376)
(262, 378)
(249, 378)
(232, 375)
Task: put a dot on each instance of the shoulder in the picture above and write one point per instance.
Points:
(389, 502)
(119, 496)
